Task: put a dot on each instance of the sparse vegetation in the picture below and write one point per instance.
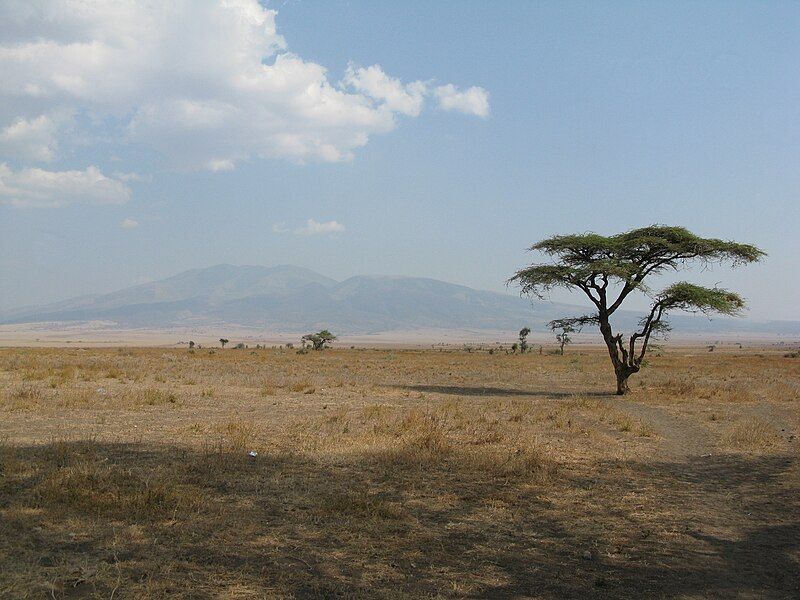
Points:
(523, 339)
(562, 336)
(393, 474)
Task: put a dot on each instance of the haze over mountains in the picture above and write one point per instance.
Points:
(292, 299)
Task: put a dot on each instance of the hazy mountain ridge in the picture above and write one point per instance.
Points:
(287, 298)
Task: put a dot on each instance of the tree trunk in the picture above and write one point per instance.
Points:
(622, 382)
(622, 369)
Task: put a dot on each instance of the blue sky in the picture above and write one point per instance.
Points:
(600, 116)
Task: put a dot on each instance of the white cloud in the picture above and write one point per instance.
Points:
(407, 99)
(311, 227)
(221, 165)
(472, 101)
(32, 139)
(206, 83)
(129, 223)
(126, 177)
(37, 188)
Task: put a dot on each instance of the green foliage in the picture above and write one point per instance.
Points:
(318, 341)
(607, 269)
(587, 260)
(523, 339)
(694, 298)
(646, 244)
(566, 326)
(574, 324)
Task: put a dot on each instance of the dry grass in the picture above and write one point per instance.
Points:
(395, 474)
(751, 434)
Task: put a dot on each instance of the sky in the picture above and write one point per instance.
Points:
(436, 139)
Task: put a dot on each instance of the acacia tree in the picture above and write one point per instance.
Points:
(607, 269)
(563, 337)
(222, 342)
(318, 341)
(523, 339)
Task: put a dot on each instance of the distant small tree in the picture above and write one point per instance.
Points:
(318, 341)
(223, 341)
(191, 344)
(563, 336)
(607, 269)
(514, 347)
(523, 339)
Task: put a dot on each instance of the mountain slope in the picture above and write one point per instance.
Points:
(187, 296)
(215, 284)
(381, 303)
(291, 299)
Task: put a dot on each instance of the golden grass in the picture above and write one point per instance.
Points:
(750, 434)
(393, 474)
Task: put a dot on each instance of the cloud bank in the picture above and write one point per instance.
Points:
(205, 84)
(38, 188)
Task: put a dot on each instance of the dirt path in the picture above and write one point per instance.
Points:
(680, 438)
(735, 515)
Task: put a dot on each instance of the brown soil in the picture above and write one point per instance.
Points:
(125, 473)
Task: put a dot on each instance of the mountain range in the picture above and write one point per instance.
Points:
(292, 299)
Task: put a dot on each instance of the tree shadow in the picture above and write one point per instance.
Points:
(738, 519)
(167, 520)
(495, 391)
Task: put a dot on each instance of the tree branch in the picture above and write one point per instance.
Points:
(652, 327)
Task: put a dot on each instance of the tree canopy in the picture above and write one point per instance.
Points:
(591, 262)
(320, 340)
(607, 269)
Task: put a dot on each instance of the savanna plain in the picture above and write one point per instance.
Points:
(127, 473)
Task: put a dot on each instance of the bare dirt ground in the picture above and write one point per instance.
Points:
(103, 334)
(124, 473)
(106, 334)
